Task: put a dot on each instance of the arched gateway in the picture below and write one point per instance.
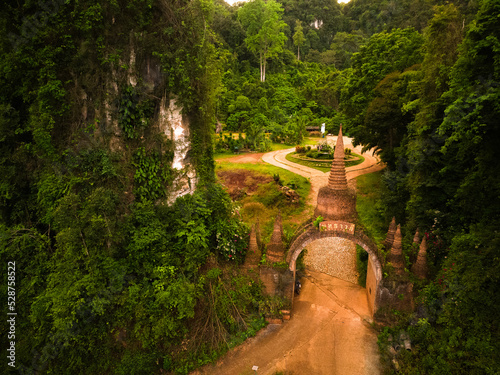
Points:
(310, 233)
(337, 206)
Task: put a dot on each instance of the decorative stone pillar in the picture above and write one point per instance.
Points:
(252, 258)
(396, 255)
(416, 237)
(390, 234)
(275, 249)
(397, 289)
(419, 269)
(257, 235)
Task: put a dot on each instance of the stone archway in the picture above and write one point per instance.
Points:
(309, 234)
(336, 207)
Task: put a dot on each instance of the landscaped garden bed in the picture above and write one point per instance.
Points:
(322, 160)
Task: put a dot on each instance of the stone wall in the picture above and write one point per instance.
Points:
(372, 285)
(397, 294)
(277, 281)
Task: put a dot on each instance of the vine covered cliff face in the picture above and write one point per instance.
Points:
(118, 79)
(106, 195)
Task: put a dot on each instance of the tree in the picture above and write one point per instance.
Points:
(344, 45)
(454, 180)
(298, 37)
(264, 30)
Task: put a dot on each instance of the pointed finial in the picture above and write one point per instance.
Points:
(392, 225)
(277, 230)
(252, 258)
(390, 234)
(419, 269)
(275, 248)
(339, 146)
(396, 254)
(337, 179)
(416, 237)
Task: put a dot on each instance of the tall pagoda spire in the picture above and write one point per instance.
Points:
(420, 267)
(396, 254)
(337, 179)
(390, 234)
(336, 201)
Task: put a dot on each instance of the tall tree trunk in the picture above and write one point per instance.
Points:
(262, 68)
(298, 53)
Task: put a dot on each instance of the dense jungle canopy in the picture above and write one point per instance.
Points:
(115, 276)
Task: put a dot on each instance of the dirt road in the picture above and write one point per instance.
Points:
(327, 334)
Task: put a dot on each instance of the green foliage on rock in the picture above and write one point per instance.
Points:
(152, 175)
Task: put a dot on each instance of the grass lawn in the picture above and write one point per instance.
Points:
(223, 155)
(311, 141)
(274, 147)
(323, 166)
(369, 205)
(267, 200)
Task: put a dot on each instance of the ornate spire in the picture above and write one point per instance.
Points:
(390, 234)
(396, 254)
(419, 269)
(416, 237)
(337, 179)
(252, 258)
(277, 236)
(275, 248)
(336, 201)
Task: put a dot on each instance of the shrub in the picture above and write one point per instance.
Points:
(318, 220)
(300, 149)
(312, 154)
(232, 237)
(253, 209)
(278, 179)
(271, 306)
(325, 147)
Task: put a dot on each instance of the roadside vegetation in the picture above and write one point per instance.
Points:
(370, 207)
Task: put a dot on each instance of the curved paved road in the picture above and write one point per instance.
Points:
(319, 179)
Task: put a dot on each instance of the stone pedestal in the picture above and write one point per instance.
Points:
(336, 204)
